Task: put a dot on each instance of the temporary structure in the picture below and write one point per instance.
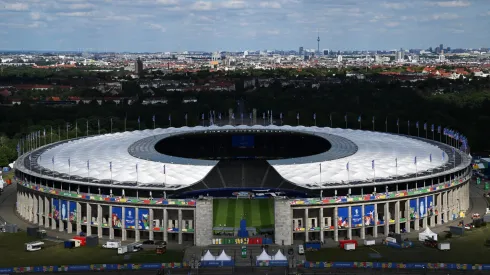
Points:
(279, 256)
(263, 256)
(427, 234)
(223, 257)
(208, 257)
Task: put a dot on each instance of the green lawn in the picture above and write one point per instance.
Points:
(13, 253)
(8, 175)
(259, 213)
(468, 249)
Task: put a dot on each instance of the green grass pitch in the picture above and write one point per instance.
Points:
(259, 213)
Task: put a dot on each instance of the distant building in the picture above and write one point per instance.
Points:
(138, 66)
(301, 51)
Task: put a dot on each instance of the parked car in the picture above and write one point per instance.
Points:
(149, 242)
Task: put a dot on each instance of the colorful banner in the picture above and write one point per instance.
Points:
(116, 217)
(413, 209)
(356, 216)
(143, 219)
(369, 215)
(55, 209)
(64, 210)
(343, 217)
(129, 218)
(73, 211)
(422, 207)
(430, 205)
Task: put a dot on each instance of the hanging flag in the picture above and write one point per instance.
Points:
(345, 118)
(432, 127)
(88, 164)
(250, 115)
(415, 161)
(153, 118)
(430, 157)
(443, 156)
(372, 164)
(263, 115)
(347, 166)
(219, 116)
(314, 116)
(169, 117)
(417, 124)
(297, 116)
(425, 126)
(185, 117)
(396, 162)
(110, 166)
(280, 116)
(202, 116)
(69, 165)
(44, 132)
(397, 122)
(52, 160)
(232, 115)
(373, 119)
(359, 119)
(164, 169)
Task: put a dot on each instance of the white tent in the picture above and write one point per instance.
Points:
(263, 256)
(223, 257)
(427, 234)
(208, 257)
(279, 256)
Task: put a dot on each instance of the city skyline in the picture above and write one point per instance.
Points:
(180, 25)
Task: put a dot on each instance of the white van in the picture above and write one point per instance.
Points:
(301, 249)
(112, 244)
(34, 246)
(122, 250)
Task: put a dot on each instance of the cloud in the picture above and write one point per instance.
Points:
(445, 16)
(157, 27)
(14, 6)
(392, 24)
(270, 5)
(35, 15)
(81, 6)
(202, 6)
(75, 14)
(395, 6)
(168, 2)
(234, 4)
(452, 4)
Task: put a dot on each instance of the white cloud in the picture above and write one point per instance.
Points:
(14, 6)
(233, 4)
(157, 27)
(81, 6)
(270, 5)
(453, 4)
(445, 16)
(202, 6)
(395, 6)
(75, 14)
(35, 15)
(392, 24)
(168, 2)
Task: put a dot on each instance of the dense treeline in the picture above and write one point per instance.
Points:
(460, 104)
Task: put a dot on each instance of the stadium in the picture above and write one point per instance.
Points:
(194, 185)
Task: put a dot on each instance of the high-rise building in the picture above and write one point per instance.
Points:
(301, 51)
(441, 47)
(318, 46)
(326, 52)
(138, 66)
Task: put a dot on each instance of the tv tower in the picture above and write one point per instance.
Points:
(318, 42)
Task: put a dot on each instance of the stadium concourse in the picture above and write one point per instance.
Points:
(294, 184)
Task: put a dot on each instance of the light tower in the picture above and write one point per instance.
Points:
(318, 43)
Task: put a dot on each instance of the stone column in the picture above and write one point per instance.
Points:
(53, 221)
(424, 219)
(321, 223)
(99, 221)
(363, 226)
(124, 232)
(335, 224)
(439, 208)
(40, 202)
(165, 224)
(349, 222)
(79, 217)
(180, 225)
(203, 232)
(35, 209)
(111, 228)
(417, 217)
(397, 217)
(386, 230)
(375, 228)
(47, 210)
(445, 203)
(136, 225)
(89, 219)
(151, 218)
(307, 225)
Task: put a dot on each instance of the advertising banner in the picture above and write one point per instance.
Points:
(143, 219)
(64, 210)
(129, 218)
(369, 215)
(356, 216)
(413, 209)
(55, 209)
(430, 205)
(73, 211)
(116, 217)
(343, 217)
(422, 207)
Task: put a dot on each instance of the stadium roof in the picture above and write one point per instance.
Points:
(134, 160)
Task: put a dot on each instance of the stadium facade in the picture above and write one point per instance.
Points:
(335, 183)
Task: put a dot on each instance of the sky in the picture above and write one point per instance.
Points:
(235, 25)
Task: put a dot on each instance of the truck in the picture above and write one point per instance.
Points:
(122, 250)
(112, 244)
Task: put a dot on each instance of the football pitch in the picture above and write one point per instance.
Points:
(259, 213)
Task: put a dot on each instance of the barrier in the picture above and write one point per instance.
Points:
(92, 267)
(241, 241)
(389, 265)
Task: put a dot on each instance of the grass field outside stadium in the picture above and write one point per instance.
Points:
(258, 213)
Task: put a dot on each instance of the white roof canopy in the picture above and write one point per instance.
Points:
(208, 257)
(223, 257)
(264, 256)
(279, 256)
